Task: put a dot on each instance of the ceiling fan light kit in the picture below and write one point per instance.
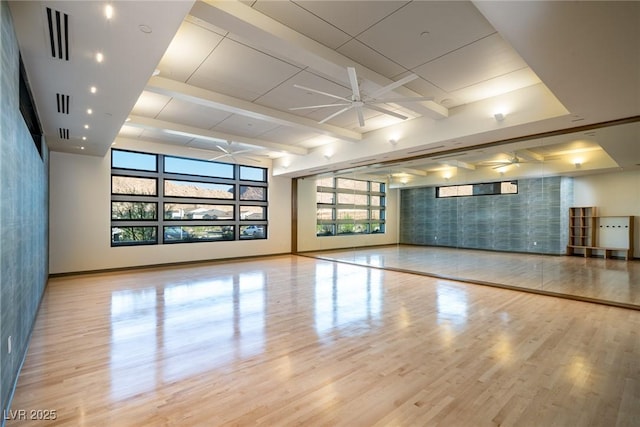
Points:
(359, 101)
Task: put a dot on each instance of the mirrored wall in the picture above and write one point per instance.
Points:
(505, 215)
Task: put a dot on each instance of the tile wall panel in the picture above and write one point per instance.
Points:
(534, 220)
(24, 217)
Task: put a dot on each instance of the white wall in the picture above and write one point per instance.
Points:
(307, 239)
(80, 223)
(612, 194)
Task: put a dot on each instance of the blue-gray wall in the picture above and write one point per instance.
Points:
(534, 220)
(24, 217)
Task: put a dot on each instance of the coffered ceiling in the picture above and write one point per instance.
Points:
(211, 77)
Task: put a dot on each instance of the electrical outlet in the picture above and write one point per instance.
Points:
(9, 344)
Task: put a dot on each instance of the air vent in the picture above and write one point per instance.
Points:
(318, 170)
(425, 149)
(362, 161)
(58, 34)
(64, 133)
(449, 156)
(63, 103)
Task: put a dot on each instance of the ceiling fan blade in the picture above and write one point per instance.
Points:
(219, 157)
(405, 99)
(318, 106)
(385, 111)
(337, 113)
(495, 162)
(222, 149)
(353, 79)
(321, 93)
(392, 86)
(239, 152)
(360, 116)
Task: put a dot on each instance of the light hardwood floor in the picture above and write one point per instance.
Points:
(293, 340)
(607, 280)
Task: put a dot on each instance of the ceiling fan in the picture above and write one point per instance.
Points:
(226, 152)
(513, 160)
(358, 100)
(231, 154)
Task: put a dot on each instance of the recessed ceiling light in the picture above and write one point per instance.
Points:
(82, 148)
(89, 111)
(99, 57)
(86, 126)
(84, 138)
(93, 89)
(108, 11)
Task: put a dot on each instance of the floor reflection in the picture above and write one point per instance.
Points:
(608, 281)
(158, 322)
(452, 305)
(347, 298)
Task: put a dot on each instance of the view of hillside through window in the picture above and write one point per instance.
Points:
(157, 199)
(349, 206)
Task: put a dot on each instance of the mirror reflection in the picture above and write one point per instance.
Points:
(555, 215)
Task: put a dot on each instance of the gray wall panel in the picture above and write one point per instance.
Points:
(24, 218)
(534, 220)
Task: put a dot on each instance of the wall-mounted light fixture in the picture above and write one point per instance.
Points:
(108, 11)
(577, 162)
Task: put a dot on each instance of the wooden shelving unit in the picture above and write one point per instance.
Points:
(593, 235)
(581, 228)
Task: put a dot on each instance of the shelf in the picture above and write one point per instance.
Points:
(592, 235)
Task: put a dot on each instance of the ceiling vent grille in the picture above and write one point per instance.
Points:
(63, 103)
(422, 150)
(58, 34)
(64, 133)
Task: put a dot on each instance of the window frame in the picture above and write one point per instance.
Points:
(332, 227)
(197, 227)
(476, 186)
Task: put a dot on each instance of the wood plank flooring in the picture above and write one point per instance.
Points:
(607, 280)
(292, 340)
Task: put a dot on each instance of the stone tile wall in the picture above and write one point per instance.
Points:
(24, 217)
(534, 220)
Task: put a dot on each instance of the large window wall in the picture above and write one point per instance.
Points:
(349, 206)
(160, 199)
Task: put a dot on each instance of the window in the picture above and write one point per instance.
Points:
(483, 189)
(28, 109)
(349, 206)
(159, 199)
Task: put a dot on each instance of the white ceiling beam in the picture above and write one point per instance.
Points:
(269, 35)
(207, 98)
(459, 164)
(410, 171)
(190, 131)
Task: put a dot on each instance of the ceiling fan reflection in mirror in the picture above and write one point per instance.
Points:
(497, 164)
(359, 100)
